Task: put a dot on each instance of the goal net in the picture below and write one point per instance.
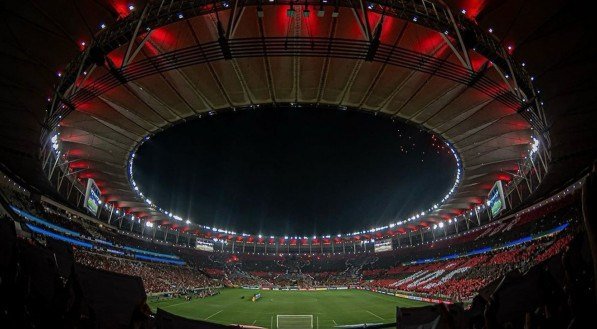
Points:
(294, 321)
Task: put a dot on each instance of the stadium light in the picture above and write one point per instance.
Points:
(534, 145)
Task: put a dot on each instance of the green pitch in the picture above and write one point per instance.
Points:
(329, 308)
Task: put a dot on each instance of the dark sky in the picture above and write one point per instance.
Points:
(293, 171)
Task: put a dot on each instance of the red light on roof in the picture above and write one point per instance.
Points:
(121, 7)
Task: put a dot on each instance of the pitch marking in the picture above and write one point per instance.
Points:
(375, 315)
(334, 322)
(186, 301)
(218, 312)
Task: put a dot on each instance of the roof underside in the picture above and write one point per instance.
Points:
(487, 132)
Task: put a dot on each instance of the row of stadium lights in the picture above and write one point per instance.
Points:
(562, 193)
(569, 189)
(440, 225)
(155, 207)
(417, 216)
(188, 222)
(534, 149)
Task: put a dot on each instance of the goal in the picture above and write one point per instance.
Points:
(294, 321)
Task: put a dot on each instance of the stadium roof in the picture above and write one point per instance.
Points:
(184, 64)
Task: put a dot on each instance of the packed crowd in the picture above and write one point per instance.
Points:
(461, 279)
(156, 277)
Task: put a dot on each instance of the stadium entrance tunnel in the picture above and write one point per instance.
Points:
(294, 169)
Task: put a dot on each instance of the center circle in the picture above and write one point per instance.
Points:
(294, 171)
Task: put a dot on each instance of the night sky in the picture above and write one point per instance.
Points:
(294, 171)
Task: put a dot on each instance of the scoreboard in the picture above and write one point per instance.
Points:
(383, 245)
(92, 200)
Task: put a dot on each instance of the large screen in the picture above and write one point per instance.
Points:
(92, 197)
(495, 199)
(383, 245)
(205, 245)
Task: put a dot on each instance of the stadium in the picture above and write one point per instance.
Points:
(298, 164)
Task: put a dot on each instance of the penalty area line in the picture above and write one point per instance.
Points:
(218, 312)
(375, 315)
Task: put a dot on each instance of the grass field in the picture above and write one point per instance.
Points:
(329, 308)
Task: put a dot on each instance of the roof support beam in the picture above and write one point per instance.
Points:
(362, 18)
(138, 49)
(463, 53)
(235, 15)
(127, 54)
